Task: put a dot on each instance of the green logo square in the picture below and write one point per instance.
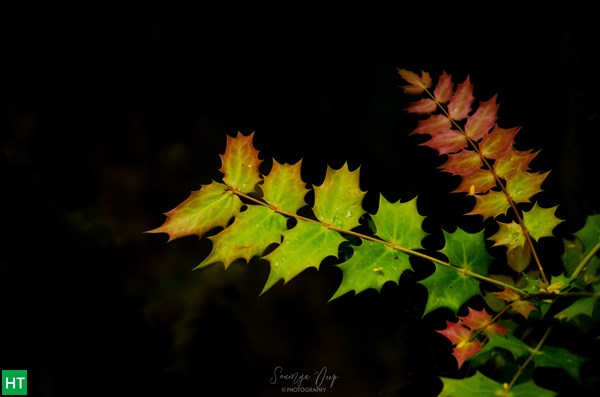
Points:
(14, 382)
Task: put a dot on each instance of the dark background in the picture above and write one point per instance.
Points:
(113, 114)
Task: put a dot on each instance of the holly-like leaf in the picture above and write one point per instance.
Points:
(449, 141)
(416, 84)
(556, 357)
(498, 142)
(581, 307)
(457, 333)
(444, 89)
(540, 221)
(522, 186)
(460, 104)
(482, 121)
(490, 204)
(338, 200)
(462, 163)
(283, 188)
(372, 264)
(511, 162)
(589, 234)
(305, 245)
(209, 207)
(481, 385)
(240, 163)
(479, 181)
(422, 106)
(249, 235)
(509, 234)
(451, 288)
(399, 223)
(509, 342)
(481, 319)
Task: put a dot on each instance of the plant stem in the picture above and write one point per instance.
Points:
(584, 261)
(534, 352)
(396, 247)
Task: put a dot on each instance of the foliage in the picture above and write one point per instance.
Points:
(253, 215)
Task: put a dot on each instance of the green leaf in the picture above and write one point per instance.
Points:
(303, 246)
(556, 357)
(509, 234)
(590, 233)
(338, 200)
(451, 288)
(249, 235)
(480, 385)
(399, 223)
(212, 206)
(523, 185)
(582, 306)
(283, 188)
(509, 342)
(540, 221)
(371, 265)
(490, 205)
(240, 163)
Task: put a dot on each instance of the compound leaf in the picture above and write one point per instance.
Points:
(556, 357)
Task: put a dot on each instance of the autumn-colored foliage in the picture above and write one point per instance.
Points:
(249, 214)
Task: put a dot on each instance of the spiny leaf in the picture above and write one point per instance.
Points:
(209, 207)
(372, 264)
(451, 288)
(240, 163)
(498, 142)
(509, 342)
(589, 234)
(338, 200)
(444, 89)
(540, 221)
(479, 181)
(305, 245)
(583, 306)
(482, 121)
(417, 84)
(422, 106)
(460, 104)
(283, 188)
(399, 223)
(509, 234)
(463, 162)
(490, 204)
(523, 185)
(556, 357)
(481, 319)
(249, 235)
(481, 385)
(512, 161)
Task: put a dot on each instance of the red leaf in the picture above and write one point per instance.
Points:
(417, 84)
(466, 351)
(422, 106)
(508, 295)
(460, 105)
(447, 142)
(444, 88)
(463, 162)
(456, 333)
(497, 142)
(480, 181)
(433, 125)
(476, 319)
(480, 123)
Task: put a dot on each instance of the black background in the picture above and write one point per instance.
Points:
(113, 113)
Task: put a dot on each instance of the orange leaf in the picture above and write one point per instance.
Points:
(417, 84)
(460, 105)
